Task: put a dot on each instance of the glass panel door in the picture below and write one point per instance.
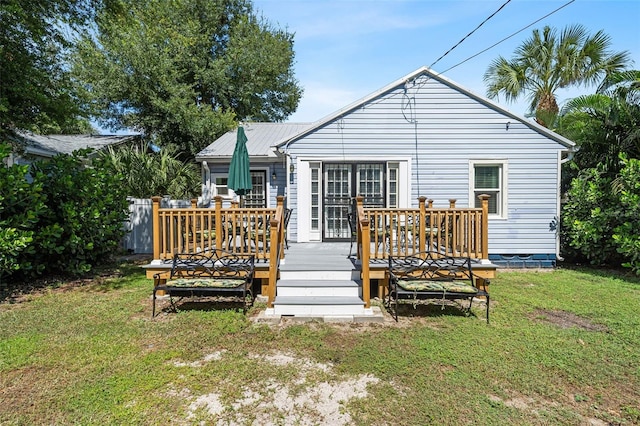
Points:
(337, 201)
(342, 182)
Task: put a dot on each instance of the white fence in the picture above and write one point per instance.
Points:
(139, 227)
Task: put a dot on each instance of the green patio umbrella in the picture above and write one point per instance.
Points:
(239, 174)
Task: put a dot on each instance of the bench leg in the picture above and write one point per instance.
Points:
(487, 308)
(153, 310)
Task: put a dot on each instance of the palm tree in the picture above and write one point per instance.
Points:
(549, 61)
(606, 123)
(150, 173)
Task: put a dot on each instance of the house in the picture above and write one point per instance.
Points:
(422, 135)
(33, 147)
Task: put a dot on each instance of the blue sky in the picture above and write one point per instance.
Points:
(348, 49)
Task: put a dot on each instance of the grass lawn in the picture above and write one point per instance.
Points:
(563, 347)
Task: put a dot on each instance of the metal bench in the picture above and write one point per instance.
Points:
(217, 273)
(431, 275)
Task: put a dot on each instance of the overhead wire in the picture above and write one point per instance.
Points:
(468, 35)
(508, 37)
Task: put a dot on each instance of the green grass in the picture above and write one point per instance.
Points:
(563, 347)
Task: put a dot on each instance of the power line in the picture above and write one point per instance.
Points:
(508, 37)
(467, 36)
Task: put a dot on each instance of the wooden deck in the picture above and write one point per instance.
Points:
(379, 233)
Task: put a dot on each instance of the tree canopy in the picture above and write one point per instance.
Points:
(185, 71)
(549, 61)
(36, 91)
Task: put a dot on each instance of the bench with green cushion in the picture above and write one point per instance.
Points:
(431, 275)
(213, 273)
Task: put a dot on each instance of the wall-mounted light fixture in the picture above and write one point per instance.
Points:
(292, 168)
(506, 127)
(274, 176)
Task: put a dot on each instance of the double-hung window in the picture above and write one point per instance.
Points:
(257, 197)
(490, 177)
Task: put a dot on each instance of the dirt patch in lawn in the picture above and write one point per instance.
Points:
(297, 402)
(564, 319)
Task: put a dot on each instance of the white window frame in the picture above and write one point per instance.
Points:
(502, 204)
(231, 195)
(214, 187)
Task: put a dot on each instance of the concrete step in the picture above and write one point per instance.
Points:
(320, 306)
(312, 288)
(319, 275)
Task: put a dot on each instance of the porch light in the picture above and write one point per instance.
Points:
(292, 168)
(274, 176)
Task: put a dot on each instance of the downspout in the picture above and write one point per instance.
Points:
(569, 157)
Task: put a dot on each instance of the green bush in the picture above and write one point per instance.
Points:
(21, 204)
(63, 215)
(83, 224)
(601, 218)
(627, 234)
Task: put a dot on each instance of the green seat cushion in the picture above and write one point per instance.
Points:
(206, 282)
(434, 285)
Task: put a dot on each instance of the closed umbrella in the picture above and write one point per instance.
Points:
(239, 173)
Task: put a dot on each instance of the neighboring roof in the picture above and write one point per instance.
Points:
(261, 137)
(51, 145)
(431, 74)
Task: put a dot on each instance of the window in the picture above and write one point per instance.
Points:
(220, 184)
(489, 177)
(315, 196)
(257, 197)
(392, 185)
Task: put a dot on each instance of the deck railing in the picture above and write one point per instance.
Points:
(452, 231)
(239, 230)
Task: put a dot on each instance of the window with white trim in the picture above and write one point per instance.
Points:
(393, 170)
(257, 197)
(489, 177)
(220, 187)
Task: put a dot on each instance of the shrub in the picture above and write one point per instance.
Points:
(86, 207)
(627, 234)
(601, 216)
(21, 204)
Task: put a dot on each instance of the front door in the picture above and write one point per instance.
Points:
(342, 182)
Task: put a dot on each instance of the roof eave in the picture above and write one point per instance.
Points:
(420, 71)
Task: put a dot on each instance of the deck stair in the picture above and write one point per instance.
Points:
(319, 280)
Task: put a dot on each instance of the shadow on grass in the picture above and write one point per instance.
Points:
(198, 304)
(620, 273)
(103, 278)
(433, 308)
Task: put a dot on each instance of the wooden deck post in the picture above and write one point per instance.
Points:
(452, 203)
(422, 224)
(280, 208)
(359, 207)
(366, 281)
(484, 198)
(156, 226)
(273, 260)
(218, 221)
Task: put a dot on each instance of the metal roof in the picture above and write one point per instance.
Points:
(261, 137)
(51, 145)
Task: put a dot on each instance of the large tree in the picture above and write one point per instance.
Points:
(549, 61)
(185, 71)
(36, 92)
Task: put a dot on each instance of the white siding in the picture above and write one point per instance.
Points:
(446, 129)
